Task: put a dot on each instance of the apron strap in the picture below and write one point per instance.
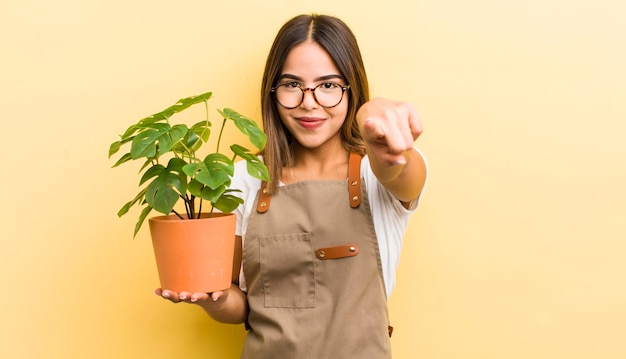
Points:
(354, 179)
(264, 198)
(354, 185)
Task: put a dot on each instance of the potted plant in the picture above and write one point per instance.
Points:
(173, 173)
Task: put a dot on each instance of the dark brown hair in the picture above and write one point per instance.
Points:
(336, 38)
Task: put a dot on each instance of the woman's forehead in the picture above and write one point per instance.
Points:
(309, 61)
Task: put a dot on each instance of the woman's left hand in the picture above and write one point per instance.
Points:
(389, 129)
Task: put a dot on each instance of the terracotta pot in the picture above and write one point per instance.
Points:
(194, 255)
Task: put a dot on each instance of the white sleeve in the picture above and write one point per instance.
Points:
(249, 186)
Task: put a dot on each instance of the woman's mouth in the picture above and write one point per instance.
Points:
(309, 123)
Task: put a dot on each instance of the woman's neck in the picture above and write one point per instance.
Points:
(317, 164)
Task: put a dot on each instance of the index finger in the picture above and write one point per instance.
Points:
(415, 123)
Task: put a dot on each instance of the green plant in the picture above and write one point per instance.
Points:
(185, 176)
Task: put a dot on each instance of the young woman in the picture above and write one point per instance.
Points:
(318, 246)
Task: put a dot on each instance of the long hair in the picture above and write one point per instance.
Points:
(336, 38)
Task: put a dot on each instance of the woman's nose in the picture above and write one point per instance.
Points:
(309, 101)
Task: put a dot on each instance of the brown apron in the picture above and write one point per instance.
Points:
(313, 274)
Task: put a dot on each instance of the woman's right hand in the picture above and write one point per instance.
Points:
(189, 297)
(226, 306)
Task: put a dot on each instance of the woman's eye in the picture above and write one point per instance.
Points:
(292, 84)
(329, 85)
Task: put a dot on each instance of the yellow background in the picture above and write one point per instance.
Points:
(516, 252)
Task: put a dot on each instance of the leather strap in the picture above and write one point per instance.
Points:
(347, 250)
(354, 179)
(264, 198)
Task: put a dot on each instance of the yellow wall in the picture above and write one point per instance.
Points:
(517, 251)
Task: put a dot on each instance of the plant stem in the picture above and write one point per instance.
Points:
(199, 209)
(206, 111)
(219, 137)
(178, 215)
(190, 208)
(186, 202)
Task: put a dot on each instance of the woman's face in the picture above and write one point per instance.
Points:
(313, 126)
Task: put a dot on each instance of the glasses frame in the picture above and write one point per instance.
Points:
(312, 89)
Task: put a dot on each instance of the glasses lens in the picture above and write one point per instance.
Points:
(328, 94)
(288, 95)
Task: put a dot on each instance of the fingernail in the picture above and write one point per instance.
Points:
(183, 297)
(193, 300)
(165, 295)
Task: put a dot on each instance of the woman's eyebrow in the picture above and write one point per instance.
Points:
(321, 78)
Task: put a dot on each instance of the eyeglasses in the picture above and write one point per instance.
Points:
(290, 95)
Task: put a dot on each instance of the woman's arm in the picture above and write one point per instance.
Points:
(389, 129)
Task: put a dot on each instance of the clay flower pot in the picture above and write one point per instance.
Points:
(194, 255)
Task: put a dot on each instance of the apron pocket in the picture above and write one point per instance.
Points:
(287, 270)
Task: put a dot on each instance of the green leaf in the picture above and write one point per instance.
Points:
(202, 129)
(247, 126)
(115, 146)
(123, 159)
(145, 143)
(130, 131)
(138, 198)
(193, 169)
(197, 135)
(165, 190)
(193, 138)
(201, 191)
(142, 218)
(228, 203)
(216, 170)
(147, 162)
(256, 168)
(160, 136)
(182, 104)
(151, 172)
(176, 165)
(169, 139)
(125, 208)
(152, 119)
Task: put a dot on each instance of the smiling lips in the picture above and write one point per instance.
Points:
(309, 123)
